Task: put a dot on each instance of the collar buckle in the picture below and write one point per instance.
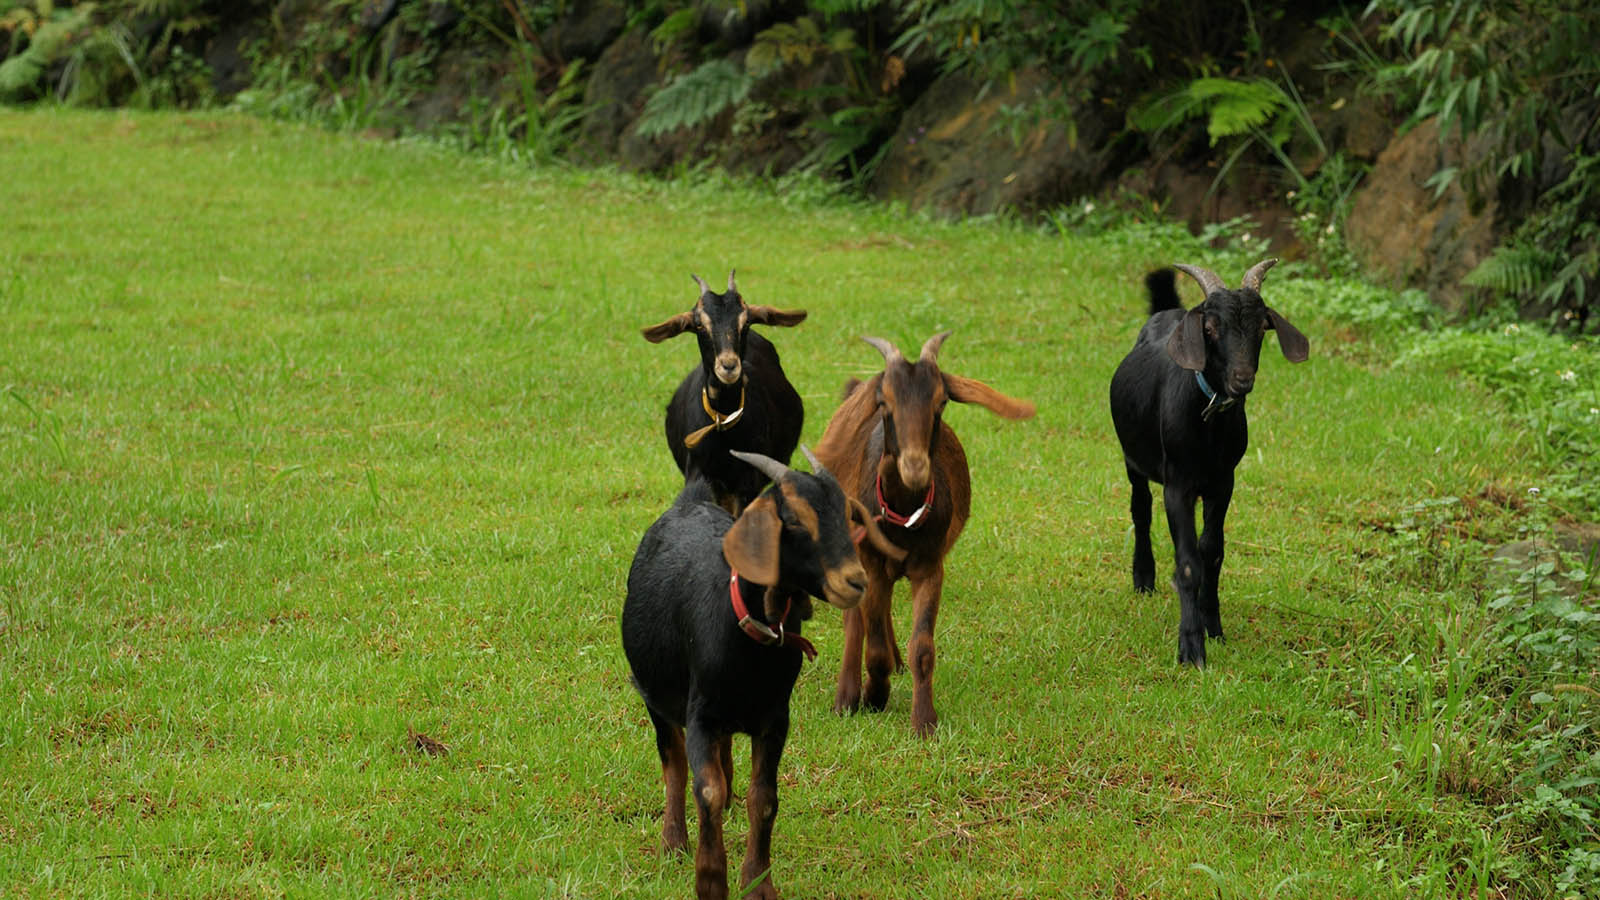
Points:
(893, 518)
(1218, 402)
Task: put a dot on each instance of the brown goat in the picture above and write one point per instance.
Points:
(889, 448)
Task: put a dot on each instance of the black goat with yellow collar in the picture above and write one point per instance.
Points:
(737, 398)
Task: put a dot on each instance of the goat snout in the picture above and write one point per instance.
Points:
(1241, 381)
(914, 470)
(728, 368)
(845, 585)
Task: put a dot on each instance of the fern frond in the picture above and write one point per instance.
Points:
(1231, 107)
(1516, 269)
(695, 98)
(1237, 107)
(21, 72)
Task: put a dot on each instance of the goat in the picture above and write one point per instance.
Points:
(1179, 431)
(737, 399)
(890, 449)
(708, 666)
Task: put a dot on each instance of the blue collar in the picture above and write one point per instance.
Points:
(1215, 405)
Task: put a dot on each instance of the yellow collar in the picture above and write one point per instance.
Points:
(719, 422)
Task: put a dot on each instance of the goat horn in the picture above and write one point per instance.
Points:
(930, 350)
(817, 468)
(704, 288)
(890, 352)
(1252, 278)
(766, 465)
(1209, 282)
(731, 288)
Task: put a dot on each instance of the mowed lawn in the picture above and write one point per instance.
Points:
(312, 442)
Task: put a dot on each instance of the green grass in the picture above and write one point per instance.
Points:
(310, 441)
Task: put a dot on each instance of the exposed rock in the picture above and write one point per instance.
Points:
(961, 151)
(377, 13)
(1581, 539)
(735, 24)
(442, 17)
(1407, 237)
(587, 29)
(1193, 197)
(1361, 127)
(224, 55)
(618, 86)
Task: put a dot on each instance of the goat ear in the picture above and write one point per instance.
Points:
(751, 545)
(671, 328)
(967, 390)
(766, 315)
(1187, 346)
(1294, 344)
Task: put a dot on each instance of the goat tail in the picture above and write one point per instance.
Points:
(1163, 287)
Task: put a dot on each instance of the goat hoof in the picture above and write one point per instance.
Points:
(846, 700)
(877, 698)
(1192, 649)
(673, 844)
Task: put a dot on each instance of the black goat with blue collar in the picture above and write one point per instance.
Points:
(1177, 401)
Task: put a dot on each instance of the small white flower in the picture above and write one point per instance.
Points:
(1594, 411)
(1329, 229)
(1569, 375)
(1088, 207)
(1289, 196)
(1513, 329)
(1533, 492)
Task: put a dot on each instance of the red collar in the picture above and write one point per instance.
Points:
(758, 630)
(894, 518)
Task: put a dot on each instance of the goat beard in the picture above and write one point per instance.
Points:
(775, 601)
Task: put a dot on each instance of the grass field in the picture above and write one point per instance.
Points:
(311, 442)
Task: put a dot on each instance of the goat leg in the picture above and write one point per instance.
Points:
(710, 799)
(876, 610)
(1214, 512)
(1188, 574)
(725, 751)
(761, 804)
(925, 593)
(674, 775)
(1144, 561)
(847, 693)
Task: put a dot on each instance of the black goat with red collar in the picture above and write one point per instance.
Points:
(711, 628)
(1178, 401)
(737, 399)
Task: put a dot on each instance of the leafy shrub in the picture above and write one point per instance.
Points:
(1518, 79)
